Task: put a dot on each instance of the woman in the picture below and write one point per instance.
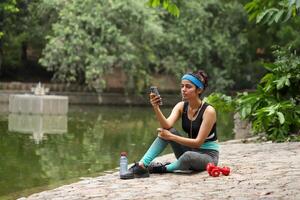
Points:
(198, 121)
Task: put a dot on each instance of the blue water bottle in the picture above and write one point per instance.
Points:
(123, 163)
(124, 173)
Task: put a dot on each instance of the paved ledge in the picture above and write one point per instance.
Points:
(259, 171)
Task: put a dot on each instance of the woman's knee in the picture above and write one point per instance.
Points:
(195, 161)
(186, 157)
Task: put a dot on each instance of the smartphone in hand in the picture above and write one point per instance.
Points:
(153, 89)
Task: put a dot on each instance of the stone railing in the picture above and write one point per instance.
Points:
(56, 87)
(77, 94)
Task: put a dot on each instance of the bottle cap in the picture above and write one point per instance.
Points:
(123, 153)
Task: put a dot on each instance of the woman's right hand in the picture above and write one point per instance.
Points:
(154, 99)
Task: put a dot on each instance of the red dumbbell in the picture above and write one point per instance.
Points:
(215, 170)
(209, 168)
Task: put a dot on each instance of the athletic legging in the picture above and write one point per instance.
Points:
(187, 158)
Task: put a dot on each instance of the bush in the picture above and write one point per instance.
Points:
(221, 102)
(274, 107)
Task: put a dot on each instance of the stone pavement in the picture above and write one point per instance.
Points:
(259, 171)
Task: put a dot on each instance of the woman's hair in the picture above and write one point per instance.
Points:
(202, 76)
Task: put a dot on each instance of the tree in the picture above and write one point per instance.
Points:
(91, 39)
(6, 7)
(207, 35)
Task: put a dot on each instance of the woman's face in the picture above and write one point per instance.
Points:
(189, 90)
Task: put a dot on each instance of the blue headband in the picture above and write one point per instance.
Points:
(194, 80)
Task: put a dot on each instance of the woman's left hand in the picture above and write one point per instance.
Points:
(164, 134)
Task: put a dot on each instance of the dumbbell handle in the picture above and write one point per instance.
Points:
(225, 170)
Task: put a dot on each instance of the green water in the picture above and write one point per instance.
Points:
(85, 143)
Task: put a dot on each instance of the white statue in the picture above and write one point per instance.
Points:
(39, 89)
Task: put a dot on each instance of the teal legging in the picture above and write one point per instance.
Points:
(187, 158)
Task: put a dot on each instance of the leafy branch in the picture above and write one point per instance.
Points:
(8, 6)
(167, 5)
(269, 12)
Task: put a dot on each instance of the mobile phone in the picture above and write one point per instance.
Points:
(153, 89)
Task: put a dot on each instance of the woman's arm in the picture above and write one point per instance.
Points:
(166, 123)
(209, 119)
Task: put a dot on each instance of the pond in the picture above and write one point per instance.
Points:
(85, 143)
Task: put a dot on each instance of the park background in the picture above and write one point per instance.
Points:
(117, 49)
(76, 42)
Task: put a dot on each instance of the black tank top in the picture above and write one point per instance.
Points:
(186, 123)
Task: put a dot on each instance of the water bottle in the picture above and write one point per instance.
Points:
(123, 164)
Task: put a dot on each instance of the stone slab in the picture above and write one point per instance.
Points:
(35, 104)
(259, 171)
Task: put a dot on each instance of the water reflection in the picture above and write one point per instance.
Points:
(38, 125)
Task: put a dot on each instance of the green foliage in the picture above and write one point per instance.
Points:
(41, 15)
(91, 39)
(7, 6)
(221, 102)
(24, 38)
(224, 106)
(13, 34)
(274, 108)
(168, 5)
(272, 11)
(12, 45)
(208, 35)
